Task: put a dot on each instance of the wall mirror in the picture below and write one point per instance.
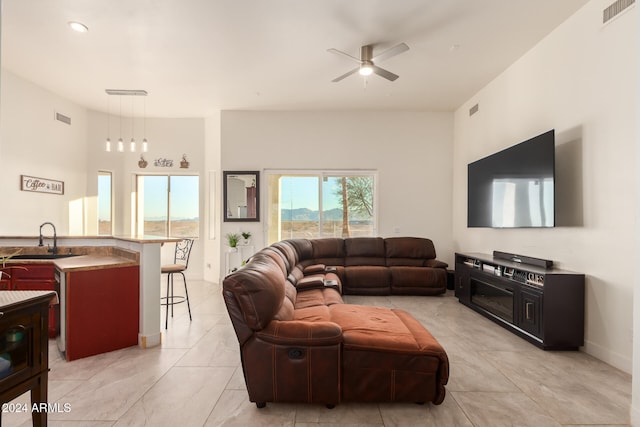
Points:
(241, 190)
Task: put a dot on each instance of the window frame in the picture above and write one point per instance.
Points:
(111, 203)
(136, 217)
(320, 173)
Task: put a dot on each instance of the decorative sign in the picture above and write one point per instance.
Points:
(41, 185)
(163, 163)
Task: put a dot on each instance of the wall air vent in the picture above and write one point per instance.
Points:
(473, 110)
(615, 9)
(62, 118)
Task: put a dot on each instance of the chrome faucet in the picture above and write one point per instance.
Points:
(53, 250)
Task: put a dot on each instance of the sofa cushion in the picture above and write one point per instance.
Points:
(418, 280)
(258, 292)
(364, 251)
(367, 280)
(303, 247)
(317, 313)
(314, 297)
(408, 250)
(328, 251)
(287, 252)
(389, 356)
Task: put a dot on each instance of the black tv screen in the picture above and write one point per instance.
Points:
(514, 187)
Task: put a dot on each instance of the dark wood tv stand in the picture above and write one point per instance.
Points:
(541, 304)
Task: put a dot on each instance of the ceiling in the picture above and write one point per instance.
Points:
(195, 57)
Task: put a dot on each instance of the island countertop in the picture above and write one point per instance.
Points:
(92, 262)
(78, 258)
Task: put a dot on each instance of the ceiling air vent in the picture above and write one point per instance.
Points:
(615, 9)
(62, 118)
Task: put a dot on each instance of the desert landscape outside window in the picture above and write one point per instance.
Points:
(168, 205)
(314, 204)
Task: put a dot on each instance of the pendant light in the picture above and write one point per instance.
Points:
(120, 142)
(132, 144)
(145, 144)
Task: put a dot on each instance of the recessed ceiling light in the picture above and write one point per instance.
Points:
(78, 26)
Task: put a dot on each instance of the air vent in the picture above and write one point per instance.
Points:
(615, 9)
(473, 110)
(62, 118)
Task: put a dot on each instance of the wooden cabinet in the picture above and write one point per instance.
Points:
(24, 349)
(101, 309)
(542, 305)
(32, 277)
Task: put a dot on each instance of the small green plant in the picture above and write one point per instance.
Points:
(246, 235)
(232, 239)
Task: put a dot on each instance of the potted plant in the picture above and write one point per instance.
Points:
(232, 239)
(246, 235)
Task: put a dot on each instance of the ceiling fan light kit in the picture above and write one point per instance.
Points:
(367, 61)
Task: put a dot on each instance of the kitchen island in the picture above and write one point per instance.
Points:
(93, 254)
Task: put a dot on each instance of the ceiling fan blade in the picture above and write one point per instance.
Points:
(341, 53)
(347, 74)
(384, 73)
(396, 50)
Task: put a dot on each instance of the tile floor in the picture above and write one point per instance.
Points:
(195, 379)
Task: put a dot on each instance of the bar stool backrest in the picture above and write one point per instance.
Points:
(183, 251)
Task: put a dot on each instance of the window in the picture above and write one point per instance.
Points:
(105, 205)
(168, 205)
(312, 204)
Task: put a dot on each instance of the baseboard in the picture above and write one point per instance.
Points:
(634, 414)
(147, 341)
(609, 357)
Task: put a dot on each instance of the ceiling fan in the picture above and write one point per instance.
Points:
(368, 62)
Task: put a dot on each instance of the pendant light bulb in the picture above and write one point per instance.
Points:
(132, 145)
(145, 145)
(120, 145)
(107, 145)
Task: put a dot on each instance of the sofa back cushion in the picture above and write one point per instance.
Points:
(288, 253)
(329, 251)
(303, 248)
(409, 251)
(364, 251)
(255, 294)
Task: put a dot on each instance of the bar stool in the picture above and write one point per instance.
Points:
(180, 264)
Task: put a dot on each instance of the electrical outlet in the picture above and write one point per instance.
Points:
(396, 230)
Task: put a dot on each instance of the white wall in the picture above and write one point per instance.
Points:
(410, 150)
(33, 143)
(169, 138)
(580, 80)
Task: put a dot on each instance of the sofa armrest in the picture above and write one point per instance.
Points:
(314, 269)
(301, 333)
(434, 263)
(310, 282)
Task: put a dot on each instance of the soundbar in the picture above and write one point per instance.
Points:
(538, 262)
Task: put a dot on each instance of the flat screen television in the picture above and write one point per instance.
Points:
(515, 187)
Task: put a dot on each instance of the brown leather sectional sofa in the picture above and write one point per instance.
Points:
(300, 342)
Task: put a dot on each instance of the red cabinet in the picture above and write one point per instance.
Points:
(32, 277)
(102, 310)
